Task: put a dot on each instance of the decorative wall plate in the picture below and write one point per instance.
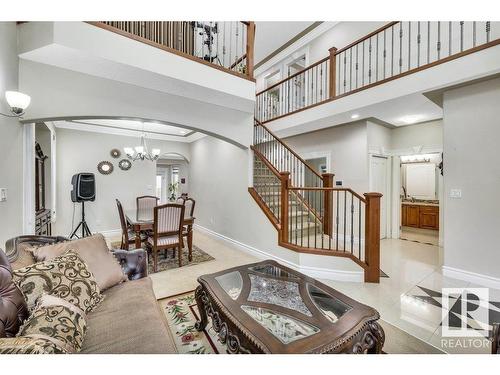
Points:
(125, 164)
(115, 153)
(105, 167)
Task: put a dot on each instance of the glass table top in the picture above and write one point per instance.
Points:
(232, 283)
(277, 292)
(332, 308)
(272, 270)
(283, 327)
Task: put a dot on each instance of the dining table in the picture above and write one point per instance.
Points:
(143, 219)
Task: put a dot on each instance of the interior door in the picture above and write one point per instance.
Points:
(379, 185)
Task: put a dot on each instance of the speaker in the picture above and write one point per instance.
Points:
(83, 187)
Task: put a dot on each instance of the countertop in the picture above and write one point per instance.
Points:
(419, 203)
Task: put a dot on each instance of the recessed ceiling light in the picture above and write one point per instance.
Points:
(355, 115)
(412, 119)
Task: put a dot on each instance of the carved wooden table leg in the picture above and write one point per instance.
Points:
(200, 297)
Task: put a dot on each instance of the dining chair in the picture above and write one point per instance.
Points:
(128, 235)
(167, 231)
(187, 230)
(146, 202)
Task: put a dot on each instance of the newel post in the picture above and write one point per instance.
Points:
(333, 70)
(327, 203)
(372, 237)
(250, 48)
(285, 184)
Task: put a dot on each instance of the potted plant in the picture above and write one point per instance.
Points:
(172, 191)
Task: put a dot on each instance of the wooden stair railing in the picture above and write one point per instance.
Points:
(284, 159)
(331, 221)
(227, 45)
(393, 51)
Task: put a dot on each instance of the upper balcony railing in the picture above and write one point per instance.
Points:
(228, 45)
(393, 51)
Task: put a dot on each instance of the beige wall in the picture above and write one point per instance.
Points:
(471, 163)
(11, 162)
(81, 151)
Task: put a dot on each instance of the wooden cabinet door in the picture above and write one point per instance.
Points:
(412, 216)
(403, 215)
(429, 218)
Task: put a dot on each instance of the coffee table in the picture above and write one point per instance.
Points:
(266, 307)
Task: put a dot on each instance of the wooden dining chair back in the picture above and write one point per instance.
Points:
(146, 202)
(167, 231)
(124, 226)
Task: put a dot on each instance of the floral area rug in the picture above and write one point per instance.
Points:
(182, 313)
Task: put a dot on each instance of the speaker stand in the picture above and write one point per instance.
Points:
(83, 224)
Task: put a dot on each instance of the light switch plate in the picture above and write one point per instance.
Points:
(3, 194)
(456, 193)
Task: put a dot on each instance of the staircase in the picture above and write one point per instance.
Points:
(309, 213)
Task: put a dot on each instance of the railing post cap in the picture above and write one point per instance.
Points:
(285, 174)
(373, 195)
(327, 174)
(333, 49)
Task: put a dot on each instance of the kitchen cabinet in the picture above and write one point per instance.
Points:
(420, 216)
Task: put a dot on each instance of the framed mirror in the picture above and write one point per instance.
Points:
(125, 164)
(105, 167)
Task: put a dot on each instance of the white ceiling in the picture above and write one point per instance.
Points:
(271, 35)
(132, 128)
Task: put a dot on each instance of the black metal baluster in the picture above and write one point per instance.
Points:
(428, 41)
(357, 65)
(400, 47)
(392, 51)
(352, 223)
(461, 36)
(344, 80)
(488, 31)
(418, 44)
(385, 52)
(369, 60)
(449, 38)
(409, 45)
(363, 66)
(359, 229)
(337, 224)
(438, 45)
(345, 217)
(350, 69)
(376, 61)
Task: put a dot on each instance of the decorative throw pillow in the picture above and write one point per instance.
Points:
(94, 252)
(57, 321)
(66, 276)
(28, 345)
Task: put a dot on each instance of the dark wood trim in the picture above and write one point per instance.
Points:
(233, 65)
(328, 204)
(333, 72)
(250, 49)
(285, 183)
(372, 237)
(167, 49)
(293, 75)
(360, 40)
(287, 147)
(264, 208)
(414, 70)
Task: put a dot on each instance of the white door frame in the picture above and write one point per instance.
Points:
(388, 189)
(396, 188)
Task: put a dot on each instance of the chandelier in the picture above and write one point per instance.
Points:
(142, 152)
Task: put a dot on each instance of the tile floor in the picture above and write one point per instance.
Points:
(408, 299)
(426, 236)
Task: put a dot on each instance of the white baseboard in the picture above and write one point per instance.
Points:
(476, 278)
(316, 272)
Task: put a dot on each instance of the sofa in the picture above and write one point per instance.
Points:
(128, 320)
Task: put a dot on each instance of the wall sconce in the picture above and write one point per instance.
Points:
(18, 103)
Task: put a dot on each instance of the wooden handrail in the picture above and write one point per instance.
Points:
(330, 189)
(368, 36)
(248, 55)
(287, 147)
(266, 162)
(233, 65)
(293, 75)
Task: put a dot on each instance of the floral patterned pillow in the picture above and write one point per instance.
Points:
(28, 345)
(57, 321)
(65, 276)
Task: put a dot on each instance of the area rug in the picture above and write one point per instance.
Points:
(182, 313)
(166, 261)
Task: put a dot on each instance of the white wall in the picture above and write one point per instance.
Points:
(471, 164)
(429, 135)
(11, 162)
(348, 150)
(81, 151)
(379, 138)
